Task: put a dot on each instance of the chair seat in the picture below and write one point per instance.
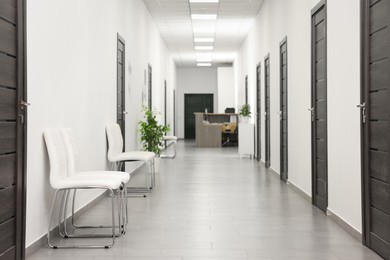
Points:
(79, 181)
(133, 156)
(170, 138)
(123, 176)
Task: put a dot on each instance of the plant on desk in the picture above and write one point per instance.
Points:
(245, 113)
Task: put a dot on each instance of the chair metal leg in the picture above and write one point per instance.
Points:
(121, 226)
(139, 191)
(170, 156)
(113, 226)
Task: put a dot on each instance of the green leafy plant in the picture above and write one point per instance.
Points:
(245, 110)
(151, 132)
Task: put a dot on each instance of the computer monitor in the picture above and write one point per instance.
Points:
(230, 110)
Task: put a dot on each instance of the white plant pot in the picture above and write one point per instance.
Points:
(244, 120)
(157, 164)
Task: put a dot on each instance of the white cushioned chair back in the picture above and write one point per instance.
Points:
(57, 156)
(71, 150)
(115, 141)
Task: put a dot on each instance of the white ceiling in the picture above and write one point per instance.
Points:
(173, 19)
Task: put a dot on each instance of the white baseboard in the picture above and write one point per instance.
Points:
(299, 191)
(344, 225)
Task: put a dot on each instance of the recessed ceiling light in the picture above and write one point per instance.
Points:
(204, 55)
(203, 60)
(204, 48)
(204, 30)
(203, 39)
(204, 16)
(203, 64)
(204, 1)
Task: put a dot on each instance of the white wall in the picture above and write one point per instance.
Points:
(226, 94)
(292, 18)
(71, 48)
(194, 81)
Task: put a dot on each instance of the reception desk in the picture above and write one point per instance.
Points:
(208, 132)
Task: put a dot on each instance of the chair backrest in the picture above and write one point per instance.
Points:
(115, 141)
(57, 156)
(71, 150)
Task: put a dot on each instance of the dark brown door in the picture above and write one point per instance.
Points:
(150, 90)
(246, 89)
(12, 130)
(375, 109)
(258, 112)
(174, 112)
(195, 103)
(165, 107)
(283, 113)
(121, 93)
(319, 109)
(267, 99)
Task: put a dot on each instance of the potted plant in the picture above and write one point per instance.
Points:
(152, 134)
(245, 113)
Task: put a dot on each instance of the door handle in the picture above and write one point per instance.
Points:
(24, 103)
(312, 113)
(363, 108)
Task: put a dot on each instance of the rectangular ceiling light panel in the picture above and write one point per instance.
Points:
(204, 48)
(204, 16)
(203, 64)
(204, 1)
(199, 39)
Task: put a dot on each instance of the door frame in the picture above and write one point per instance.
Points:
(174, 112)
(321, 4)
(364, 68)
(150, 86)
(267, 115)
(246, 89)
(258, 111)
(283, 42)
(21, 132)
(121, 40)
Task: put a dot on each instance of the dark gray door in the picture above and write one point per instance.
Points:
(319, 109)
(246, 89)
(375, 131)
(283, 113)
(165, 107)
(258, 112)
(195, 103)
(267, 98)
(150, 90)
(165, 102)
(174, 112)
(12, 130)
(121, 107)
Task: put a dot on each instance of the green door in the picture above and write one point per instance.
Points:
(195, 103)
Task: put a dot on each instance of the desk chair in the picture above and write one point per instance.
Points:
(116, 156)
(228, 129)
(62, 181)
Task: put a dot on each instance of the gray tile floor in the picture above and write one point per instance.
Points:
(210, 204)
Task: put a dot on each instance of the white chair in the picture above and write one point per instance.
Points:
(73, 161)
(173, 139)
(62, 182)
(118, 157)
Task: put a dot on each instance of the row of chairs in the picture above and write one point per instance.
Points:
(66, 179)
